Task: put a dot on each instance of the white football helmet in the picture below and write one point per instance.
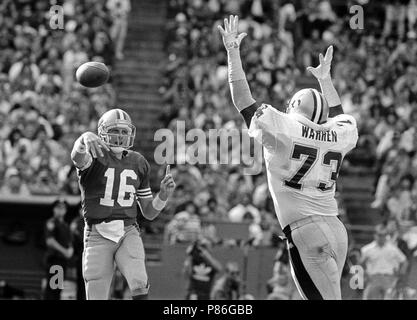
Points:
(311, 104)
(123, 137)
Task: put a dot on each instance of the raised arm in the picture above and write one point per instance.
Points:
(151, 207)
(239, 87)
(322, 74)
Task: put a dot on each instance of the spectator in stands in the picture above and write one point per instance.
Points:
(16, 145)
(200, 267)
(269, 229)
(209, 230)
(412, 15)
(77, 234)
(281, 286)
(42, 142)
(180, 197)
(44, 183)
(23, 68)
(185, 227)
(4, 128)
(255, 230)
(384, 263)
(228, 287)
(213, 211)
(413, 208)
(382, 188)
(59, 243)
(14, 184)
(189, 176)
(72, 59)
(216, 185)
(237, 213)
(119, 10)
(353, 261)
(239, 187)
(404, 241)
(45, 159)
(395, 13)
(399, 203)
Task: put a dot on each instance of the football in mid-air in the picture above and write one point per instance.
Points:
(92, 74)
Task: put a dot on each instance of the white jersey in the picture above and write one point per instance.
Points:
(302, 163)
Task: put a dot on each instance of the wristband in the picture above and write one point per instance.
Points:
(158, 204)
(80, 147)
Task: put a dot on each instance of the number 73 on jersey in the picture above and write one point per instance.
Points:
(311, 155)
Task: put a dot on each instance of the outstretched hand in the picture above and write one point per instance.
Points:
(167, 185)
(322, 71)
(94, 144)
(231, 38)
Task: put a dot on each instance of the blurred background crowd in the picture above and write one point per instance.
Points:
(43, 109)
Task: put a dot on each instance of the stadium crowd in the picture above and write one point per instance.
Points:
(42, 108)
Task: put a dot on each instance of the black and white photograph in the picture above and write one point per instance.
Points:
(226, 151)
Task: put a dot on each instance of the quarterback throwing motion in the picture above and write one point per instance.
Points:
(303, 150)
(114, 181)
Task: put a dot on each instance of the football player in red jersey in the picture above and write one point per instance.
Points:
(113, 180)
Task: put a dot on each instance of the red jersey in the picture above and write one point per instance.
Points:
(110, 186)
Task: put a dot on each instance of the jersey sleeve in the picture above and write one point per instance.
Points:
(347, 131)
(85, 171)
(87, 167)
(269, 127)
(144, 190)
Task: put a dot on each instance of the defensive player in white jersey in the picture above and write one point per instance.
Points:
(303, 150)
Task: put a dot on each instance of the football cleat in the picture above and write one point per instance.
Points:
(311, 104)
(115, 128)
